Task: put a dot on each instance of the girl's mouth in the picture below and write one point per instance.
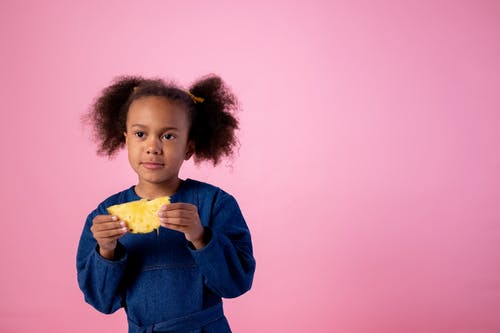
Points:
(152, 165)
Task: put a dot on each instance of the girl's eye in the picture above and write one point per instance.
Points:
(168, 137)
(139, 134)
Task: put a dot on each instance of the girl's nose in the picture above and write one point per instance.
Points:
(154, 147)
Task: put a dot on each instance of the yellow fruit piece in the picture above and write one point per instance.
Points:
(141, 215)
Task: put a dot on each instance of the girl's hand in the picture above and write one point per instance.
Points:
(106, 230)
(183, 217)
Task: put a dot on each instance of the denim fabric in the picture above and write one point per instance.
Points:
(161, 278)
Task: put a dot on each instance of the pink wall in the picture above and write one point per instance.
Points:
(368, 172)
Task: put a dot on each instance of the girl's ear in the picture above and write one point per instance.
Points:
(125, 135)
(189, 150)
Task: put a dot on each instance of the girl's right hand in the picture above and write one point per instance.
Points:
(106, 230)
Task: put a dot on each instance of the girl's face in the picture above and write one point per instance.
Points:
(157, 142)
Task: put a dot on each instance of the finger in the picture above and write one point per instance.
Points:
(163, 210)
(174, 221)
(176, 214)
(110, 233)
(103, 226)
(176, 227)
(181, 212)
(179, 216)
(104, 219)
(178, 209)
(180, 206)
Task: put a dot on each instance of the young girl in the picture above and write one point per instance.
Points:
(173, 280)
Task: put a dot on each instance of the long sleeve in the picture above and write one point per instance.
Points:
(227, 261)
(157, 277)
(100, 278)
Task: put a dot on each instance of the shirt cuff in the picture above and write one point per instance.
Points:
(119, 256)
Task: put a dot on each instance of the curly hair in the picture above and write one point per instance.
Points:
(213, 121)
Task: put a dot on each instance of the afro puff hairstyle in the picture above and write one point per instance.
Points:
(212, 114)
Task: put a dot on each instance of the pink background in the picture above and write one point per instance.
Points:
(368, 169)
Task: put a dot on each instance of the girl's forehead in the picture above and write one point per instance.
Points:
(156, 110)
(152, 102)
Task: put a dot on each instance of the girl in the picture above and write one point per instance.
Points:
(173, 280)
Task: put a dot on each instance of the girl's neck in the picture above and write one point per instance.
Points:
(154, 190)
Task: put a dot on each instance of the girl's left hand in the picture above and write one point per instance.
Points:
(183, 217)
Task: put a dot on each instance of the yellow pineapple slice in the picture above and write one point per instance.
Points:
(141, 215)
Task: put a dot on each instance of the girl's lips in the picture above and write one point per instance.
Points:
(152, 165)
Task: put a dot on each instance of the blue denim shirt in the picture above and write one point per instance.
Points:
(161, 279)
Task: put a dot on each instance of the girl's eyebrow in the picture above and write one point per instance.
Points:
(161, 130)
